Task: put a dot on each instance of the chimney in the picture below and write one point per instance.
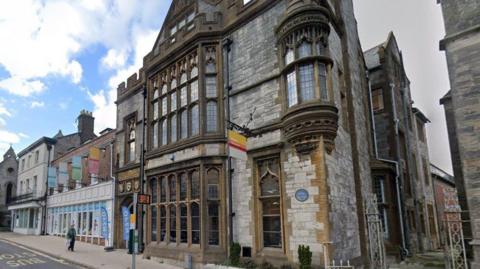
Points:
(86, 125)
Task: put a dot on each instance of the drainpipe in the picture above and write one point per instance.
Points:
(114, 180)
(406, 103)
(44, 213)
(400, 198)
(404, 250)
(142, 174)
(227, 47)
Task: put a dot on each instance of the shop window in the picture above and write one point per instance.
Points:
(270, 202)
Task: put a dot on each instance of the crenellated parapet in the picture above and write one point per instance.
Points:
(133, 82)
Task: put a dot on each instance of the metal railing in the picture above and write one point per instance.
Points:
(21, 197)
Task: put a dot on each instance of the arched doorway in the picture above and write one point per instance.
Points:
(125, 202)
(9, 193)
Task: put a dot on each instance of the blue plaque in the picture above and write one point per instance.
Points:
(301, 195)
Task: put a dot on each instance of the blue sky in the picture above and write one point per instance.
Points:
(61, 56)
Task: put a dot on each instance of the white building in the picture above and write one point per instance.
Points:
(82, 208)
(27, 205)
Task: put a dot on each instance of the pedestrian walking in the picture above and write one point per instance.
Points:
(71, 237)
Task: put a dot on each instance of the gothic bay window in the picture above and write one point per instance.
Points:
(195, 121)
(211, 89)
(184, 124)
(269, 196)
(305, 70)
(163, 224)
(131, 135)
(153, 214)
(195, 234)
(164, 132)
(211, 116)
(173, 128)
(173, 223)
(183, 224)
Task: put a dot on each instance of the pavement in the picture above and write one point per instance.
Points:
(85, 256)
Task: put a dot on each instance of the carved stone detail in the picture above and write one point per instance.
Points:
(305, 125)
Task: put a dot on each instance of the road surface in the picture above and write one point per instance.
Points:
(15, 256)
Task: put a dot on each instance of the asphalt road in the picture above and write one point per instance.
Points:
(14, 256)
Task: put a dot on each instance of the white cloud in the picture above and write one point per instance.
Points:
(6, 137)
(43, 38)
(37, 104)
(22, 87)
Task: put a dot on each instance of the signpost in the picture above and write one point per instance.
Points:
(144, 199)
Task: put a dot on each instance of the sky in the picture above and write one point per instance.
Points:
(61, 56)
(418, 27)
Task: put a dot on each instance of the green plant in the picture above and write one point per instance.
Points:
(305, 257)
(248, 264)
(235, 250)
(266, 265)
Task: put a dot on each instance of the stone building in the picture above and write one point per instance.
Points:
(401, 176)
(462, 105)
(443, 183)
(8, 183)
(28, 204)
(292, 74)
(82, 203)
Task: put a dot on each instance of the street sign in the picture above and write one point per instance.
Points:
(144, 199)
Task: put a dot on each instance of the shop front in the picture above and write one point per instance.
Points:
(88, 209)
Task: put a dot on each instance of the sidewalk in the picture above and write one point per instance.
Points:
(87, 255)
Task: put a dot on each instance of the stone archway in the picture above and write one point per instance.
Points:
(122, 201)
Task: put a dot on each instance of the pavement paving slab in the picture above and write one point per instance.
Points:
(86, 255)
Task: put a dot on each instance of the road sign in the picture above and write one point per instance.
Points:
(144, 199)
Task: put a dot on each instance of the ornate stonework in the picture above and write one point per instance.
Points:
(304, 126)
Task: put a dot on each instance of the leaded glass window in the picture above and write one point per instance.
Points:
(173, 224)
(183, 187)
(305, 49)
(163, 223)
(173, 102)
(194, 72)
(195, 120)
(211, 117)
(195, 223)
(153, 190)
(289, 56)
(292, 88)
(307, 83)
(213, 223)
(153, 220)
(164, 106)
(164, 133)
(183, 96)
(211, 87)
(195, 185)
(270, 201)
(322, 76)
(172, 185)
(183, 78)
(194, 91)
(173, 128)
(184, 124)
(155, 135)
(163, 189)
(183, 224)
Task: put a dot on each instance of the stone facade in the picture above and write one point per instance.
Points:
(461, 45)
(8, 183)
(442, 183)
(400, 138)
(301, 139)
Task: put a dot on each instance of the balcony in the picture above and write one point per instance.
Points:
(26, 197)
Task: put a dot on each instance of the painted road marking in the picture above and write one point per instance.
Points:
(15, 260)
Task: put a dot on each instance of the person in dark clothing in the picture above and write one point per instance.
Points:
(71, 236)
